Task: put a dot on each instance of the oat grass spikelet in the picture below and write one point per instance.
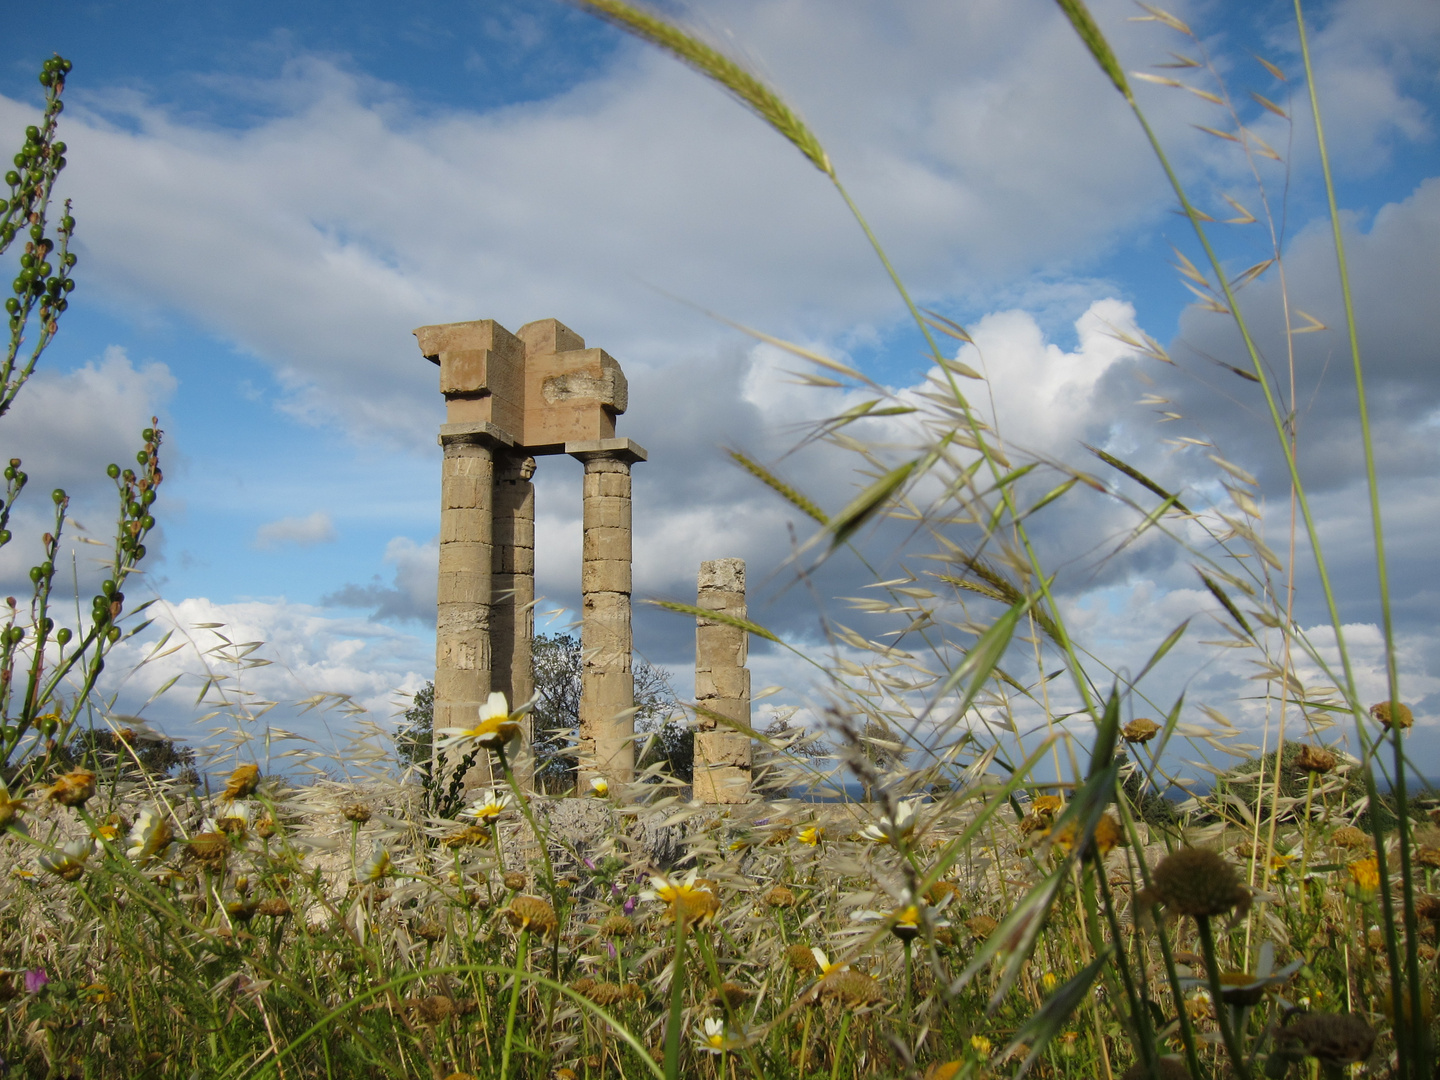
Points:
(1198, 882)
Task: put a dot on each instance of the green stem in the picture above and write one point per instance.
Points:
(677, 1003)
(1222, 1018)
(840, 1047)
(514, 1004)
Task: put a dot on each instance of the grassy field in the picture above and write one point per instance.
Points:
(1005, 905)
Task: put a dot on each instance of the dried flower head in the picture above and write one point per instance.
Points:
(1426, 855)
(981, 925)
(1315, 759)
(1332, 1038)
(617, 926)
(1140, 731)
(468, 836)
(75, 788)
(532, 913)
(1198, 882)
(1047, 806)
(357, 812)
(851, 988)
(1428, 907)
(801, 959)
(733, 994)
(515, 880)
(497, 725)
(1108, 836)
(243, 781)
(208, 848)
(781, 897)
(275, 907)
(1350, 837)
(266, 827)
(1392, 715)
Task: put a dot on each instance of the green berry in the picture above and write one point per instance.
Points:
(148, 434)
(35, 575)
(143, 457)
(112, 471)
(147, 522)
(63, 635)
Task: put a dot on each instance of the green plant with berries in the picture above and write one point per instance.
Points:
(48, 672)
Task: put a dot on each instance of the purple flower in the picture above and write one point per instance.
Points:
(35, 978)
(611, 946)
(589, 863)
(629, 907)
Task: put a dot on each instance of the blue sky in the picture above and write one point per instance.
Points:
(270, 197)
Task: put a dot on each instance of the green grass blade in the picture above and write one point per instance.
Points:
(716, 66)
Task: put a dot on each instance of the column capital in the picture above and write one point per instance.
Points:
(626, 450)
(477, 431)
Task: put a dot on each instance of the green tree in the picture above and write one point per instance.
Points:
(416, 737)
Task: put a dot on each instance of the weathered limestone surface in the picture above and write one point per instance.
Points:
(607, 700)
(722, 686)
(509, 398)
(512, 624)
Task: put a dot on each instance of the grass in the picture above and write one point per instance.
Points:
(1011, 902)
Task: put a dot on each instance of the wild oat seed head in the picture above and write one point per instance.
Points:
(532, 913)
(1199, 882)
(1140, 731)
(243, 781)
(1315, 759)
(1399, 717)
(1333, 1038)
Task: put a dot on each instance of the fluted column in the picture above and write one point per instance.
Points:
(512, 623)
(722, 686)
(607, 702)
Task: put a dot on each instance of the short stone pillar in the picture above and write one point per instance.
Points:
(512, 622)
(722, 687)
(607, 701)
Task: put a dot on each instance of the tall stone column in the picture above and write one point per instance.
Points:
(463, 656)
(722, 686)
(607, 718)
(512, 624)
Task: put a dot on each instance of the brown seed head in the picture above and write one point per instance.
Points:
(617, 926)
(981, 925)
(468, 836)
(1396, 716)
(1199, 882)
(243, 781)
(275, 907)
(356, 812)
(75, 788)
(532, 913)
(514, 879)
(265, 828)
(781, 897)
(429, 930)
(1140, 731)
(1315, 759)
(1428, 856)
(734, 994)
(1333, 1038)
(435, 1009)
(851, 988)
(1349, 836)
(801, 959)
(208, 848)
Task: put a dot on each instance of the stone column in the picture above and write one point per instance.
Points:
(463, 660)
(607, 718)
(722, 687)
(512, 623)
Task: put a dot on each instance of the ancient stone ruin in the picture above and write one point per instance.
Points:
(510, 398)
